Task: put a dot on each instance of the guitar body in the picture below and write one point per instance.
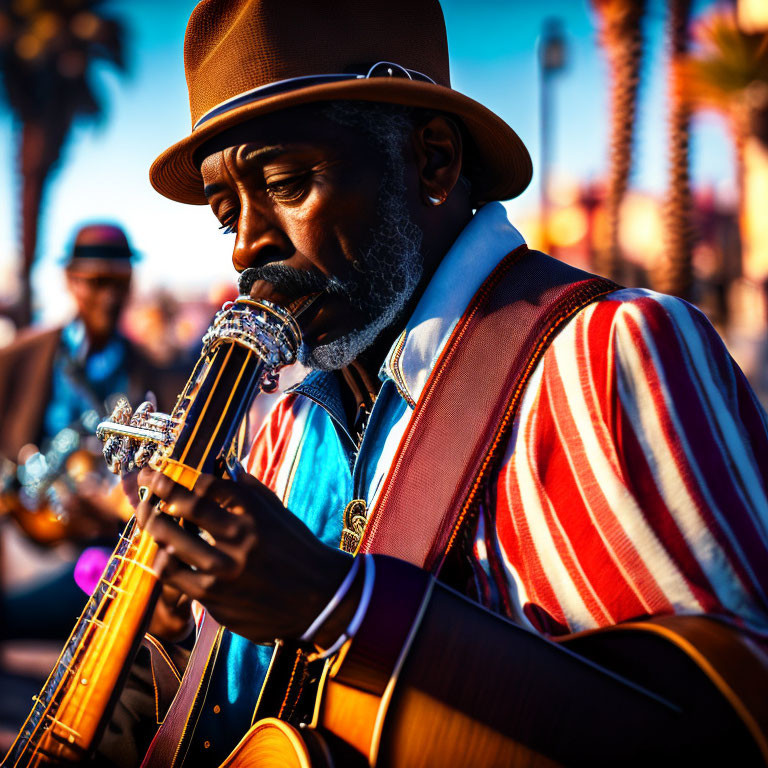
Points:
(273, 743)
(697, 695)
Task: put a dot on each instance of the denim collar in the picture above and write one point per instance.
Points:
(323, 388)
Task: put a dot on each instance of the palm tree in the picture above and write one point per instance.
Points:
(47, 49)
(728, 73)
(622, 38)
(673, 274)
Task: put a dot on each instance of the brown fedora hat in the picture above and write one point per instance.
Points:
(245, 58)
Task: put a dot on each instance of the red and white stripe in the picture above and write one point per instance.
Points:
(276, 449)
(636, 480)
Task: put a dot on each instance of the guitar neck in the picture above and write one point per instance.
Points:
(75, 704)
(71, 710)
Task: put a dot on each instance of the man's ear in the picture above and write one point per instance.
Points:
(438, 149)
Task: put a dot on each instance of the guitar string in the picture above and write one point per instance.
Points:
(129, 571)
(87, 637)
(106, 640)
(28, 742)
(34, 739)
(122, 569)
(205, 406)
(37, 744)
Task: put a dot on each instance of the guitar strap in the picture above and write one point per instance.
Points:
(454, 439)
(459, 429)
(169, 745)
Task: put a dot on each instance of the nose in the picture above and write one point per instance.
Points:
(260, 238)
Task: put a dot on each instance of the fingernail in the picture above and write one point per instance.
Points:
(161, 560)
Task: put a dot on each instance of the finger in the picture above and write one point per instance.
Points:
(172, 618)
(145, 510)
(177, 574)
(235, 496)
(201, 510)
(188, 546)
(246, 493)
(130, 483)
(175, 600)
(145, 476)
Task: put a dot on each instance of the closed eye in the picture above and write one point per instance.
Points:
(229, 224)
(289, 189)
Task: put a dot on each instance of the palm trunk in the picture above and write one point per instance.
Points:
(754, 189)
(674, 273)
(34, 169)
(623, 40)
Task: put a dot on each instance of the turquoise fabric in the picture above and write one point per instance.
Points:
(83, 380)
(321, 487)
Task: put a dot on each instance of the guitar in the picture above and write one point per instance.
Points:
(242, 351)
(697, 687)
(31, 493)
(677, 690)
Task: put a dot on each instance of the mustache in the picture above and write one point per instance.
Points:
(291, 282)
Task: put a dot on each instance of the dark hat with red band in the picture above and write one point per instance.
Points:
(100, 249)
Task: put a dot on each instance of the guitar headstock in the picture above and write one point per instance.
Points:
(131, 438)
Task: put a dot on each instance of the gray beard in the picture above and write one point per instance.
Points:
(390, 271)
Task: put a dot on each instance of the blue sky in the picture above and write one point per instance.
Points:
(493, 60)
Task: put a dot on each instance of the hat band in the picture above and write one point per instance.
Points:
(101, 252)
(379, 69)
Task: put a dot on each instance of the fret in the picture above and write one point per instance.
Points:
(139, 564)
(72, 734)
(247, 341)
(98, 623)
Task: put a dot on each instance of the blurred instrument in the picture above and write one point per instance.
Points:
(243, 350)
(34, 491)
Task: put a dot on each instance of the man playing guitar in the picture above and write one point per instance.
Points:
(619, 475)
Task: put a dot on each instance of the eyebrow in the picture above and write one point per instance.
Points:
(263, 154)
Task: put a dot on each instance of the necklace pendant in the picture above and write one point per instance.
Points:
(355, 517)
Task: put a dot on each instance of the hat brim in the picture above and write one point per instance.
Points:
(91, 267)
(500, 164)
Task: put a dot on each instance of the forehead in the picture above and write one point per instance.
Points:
(305, 126)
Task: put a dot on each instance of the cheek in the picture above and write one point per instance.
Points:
(332, 230)
(82, 298)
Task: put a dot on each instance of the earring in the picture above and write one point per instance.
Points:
(435, 200)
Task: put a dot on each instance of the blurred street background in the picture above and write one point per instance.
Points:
(647, 122)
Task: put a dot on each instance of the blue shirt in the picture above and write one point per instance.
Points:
(322, 470)
(83, 380)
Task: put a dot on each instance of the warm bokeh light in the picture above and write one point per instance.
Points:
(567, 226)
(641, 233)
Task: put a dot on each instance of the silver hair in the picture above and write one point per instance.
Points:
(392, 263)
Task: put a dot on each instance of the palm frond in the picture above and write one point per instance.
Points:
(726, 63)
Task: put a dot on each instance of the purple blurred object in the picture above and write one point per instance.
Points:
(89, 567)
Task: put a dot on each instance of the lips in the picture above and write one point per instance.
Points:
(304, 306)
(299, 306)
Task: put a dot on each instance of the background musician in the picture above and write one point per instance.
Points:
(60, 382)
(328, 142)
(50, 379)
